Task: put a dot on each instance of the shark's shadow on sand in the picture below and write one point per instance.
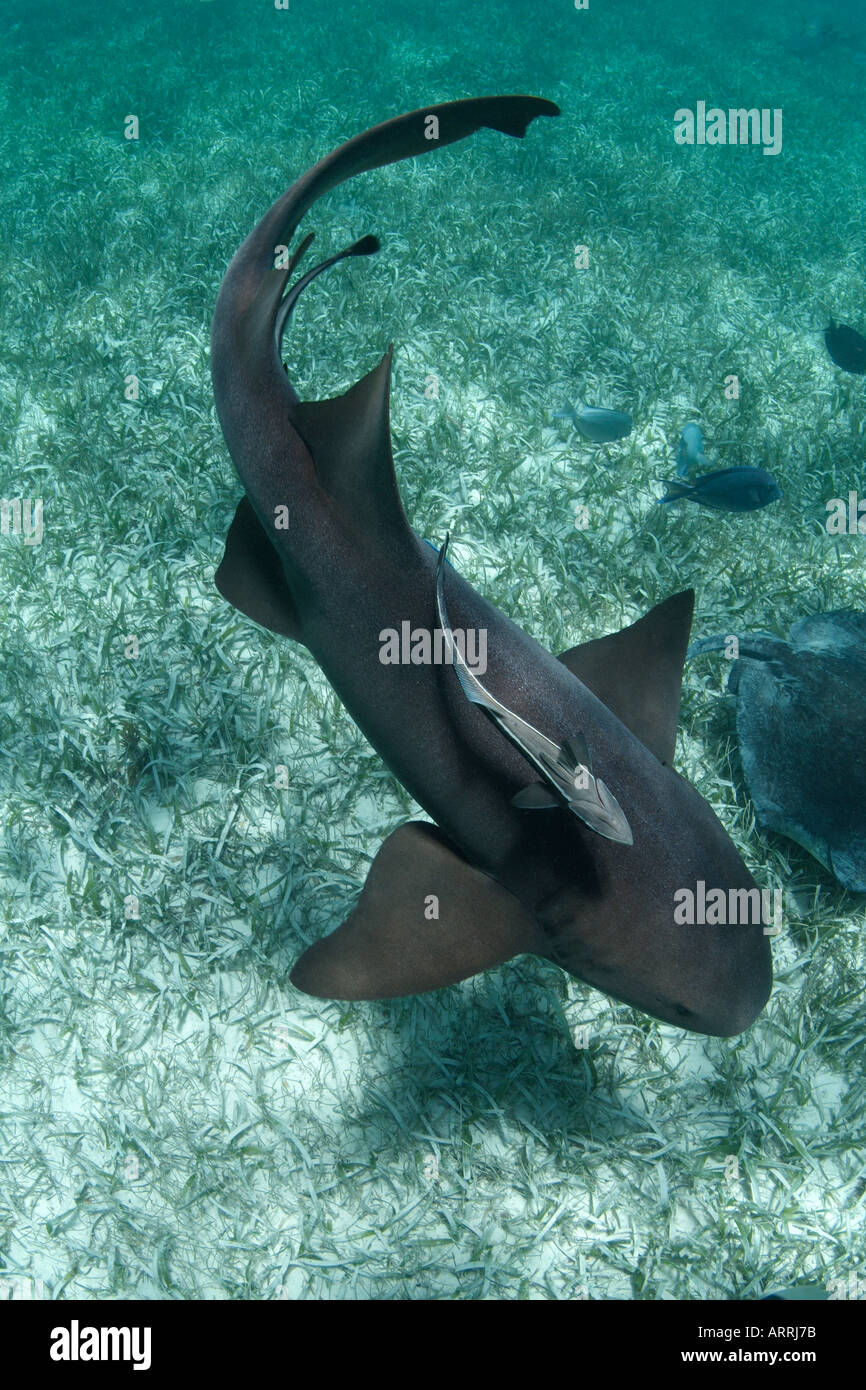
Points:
(321, 551)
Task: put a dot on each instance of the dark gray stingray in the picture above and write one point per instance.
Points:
(801, 724)
(493, 880)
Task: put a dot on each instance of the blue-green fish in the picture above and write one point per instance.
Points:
(596, 423)
(691, 449)
(727, 490)
(847, 347)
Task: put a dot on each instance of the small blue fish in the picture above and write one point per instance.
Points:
(597, 424)
(728, 490)
(691, 449)
(847, 347)
(814, 36)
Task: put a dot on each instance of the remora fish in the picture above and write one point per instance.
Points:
(597, 423)
(493, 881)
(727, 490)
(564, 766)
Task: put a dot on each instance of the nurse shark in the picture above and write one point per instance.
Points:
(320, 550)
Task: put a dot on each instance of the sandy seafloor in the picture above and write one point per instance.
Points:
(176, 1120)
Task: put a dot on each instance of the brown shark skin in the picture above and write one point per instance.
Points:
(351, 566)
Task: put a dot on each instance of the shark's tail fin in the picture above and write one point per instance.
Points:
(249, 301)
(403, 137)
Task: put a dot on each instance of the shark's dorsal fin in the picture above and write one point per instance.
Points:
(349, 439)
(251, 577)
(638, 672)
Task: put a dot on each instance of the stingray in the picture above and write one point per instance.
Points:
(321, 551)
(801, 726)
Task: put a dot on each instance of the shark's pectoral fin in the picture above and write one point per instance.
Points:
(251, 577)
(425, 919)
(638, 672)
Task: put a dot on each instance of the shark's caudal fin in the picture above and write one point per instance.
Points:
(425, 919)
(341, 446)
(638, 672)
(250, 301)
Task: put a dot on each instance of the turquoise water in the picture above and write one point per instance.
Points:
(177, 1120)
